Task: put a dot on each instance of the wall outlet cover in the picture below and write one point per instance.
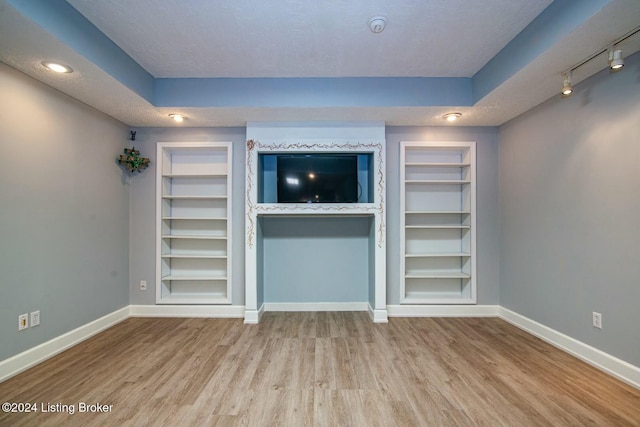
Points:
(35, 318)
(597, 320)
(23, 321)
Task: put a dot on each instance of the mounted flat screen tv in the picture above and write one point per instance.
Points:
(317, 178)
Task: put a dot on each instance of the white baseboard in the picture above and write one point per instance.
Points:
(252, 317)
(442, 310)
(25, 360)
(316, 306)
(221, 311)
(378, 316)
(615, 367)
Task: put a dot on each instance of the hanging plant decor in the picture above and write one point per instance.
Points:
(132, 161)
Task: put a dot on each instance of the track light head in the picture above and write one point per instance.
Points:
(615, 59)
(567, 88)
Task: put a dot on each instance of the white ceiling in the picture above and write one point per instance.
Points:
(305, 38)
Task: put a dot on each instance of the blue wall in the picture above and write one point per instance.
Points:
(316, 259)
(143, 208)
(64, 215)
(569, 208)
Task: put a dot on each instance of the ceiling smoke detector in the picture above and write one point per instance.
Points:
(377, 24)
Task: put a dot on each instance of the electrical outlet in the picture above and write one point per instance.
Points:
(23, 321)
(143, 285)
(597, 320)
(35, 318)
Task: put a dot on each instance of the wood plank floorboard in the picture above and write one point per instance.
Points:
(320, 369)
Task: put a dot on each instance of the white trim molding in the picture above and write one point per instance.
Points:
(38, 354)
(214, 311)
(347, 137)
(613, 366)
(252, 317)
(378, 316)
(406, 310)
(315, 306)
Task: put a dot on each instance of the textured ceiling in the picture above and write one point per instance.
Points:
(474, 40)
(304, 38)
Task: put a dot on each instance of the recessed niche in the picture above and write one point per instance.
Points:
(315, 178)
(316, 259)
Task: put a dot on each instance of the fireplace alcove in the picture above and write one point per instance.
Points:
(277, 232)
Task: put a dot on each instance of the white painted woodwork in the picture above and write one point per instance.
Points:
(357, 138)
(437, 222)
(193, 223)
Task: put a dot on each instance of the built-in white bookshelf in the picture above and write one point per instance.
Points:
(437, 205)
(193, 240)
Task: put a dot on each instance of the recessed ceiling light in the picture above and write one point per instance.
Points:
(177, 117)
(57, 67)
(452, 117)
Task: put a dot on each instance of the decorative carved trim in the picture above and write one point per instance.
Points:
(253, 210)
(250, 223)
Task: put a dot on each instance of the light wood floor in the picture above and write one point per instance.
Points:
(324, 369)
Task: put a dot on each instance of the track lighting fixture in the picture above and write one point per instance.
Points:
(616, 62)
(567, 88)
(615, 59)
